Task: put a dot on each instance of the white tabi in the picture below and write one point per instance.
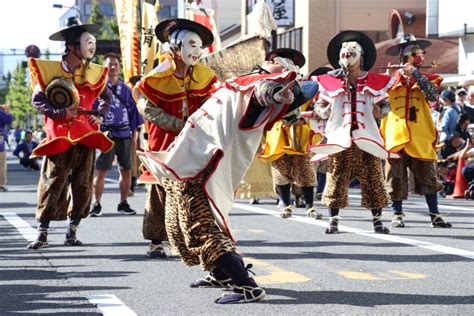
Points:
(371, 89)
(214, 132)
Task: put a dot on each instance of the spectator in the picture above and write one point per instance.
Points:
(5, 119)
(18, 135)
(469, 105)
(461, 97)
(449, 118)
(26, 148)
(121, 123)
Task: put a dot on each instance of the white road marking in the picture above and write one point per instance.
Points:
(28, 232)
(110, 305)
(392, 238)
(440, 205)
(111, 180)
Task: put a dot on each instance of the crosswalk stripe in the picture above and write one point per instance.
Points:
(28, 232)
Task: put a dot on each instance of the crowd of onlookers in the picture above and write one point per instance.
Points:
(21, 141)
(454, 120)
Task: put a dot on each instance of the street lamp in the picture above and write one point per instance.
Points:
(60, 6)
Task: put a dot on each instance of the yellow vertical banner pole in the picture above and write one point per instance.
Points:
(128, 29)
(149, 43)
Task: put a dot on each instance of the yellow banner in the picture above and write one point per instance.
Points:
(128, 29)
(149, 41)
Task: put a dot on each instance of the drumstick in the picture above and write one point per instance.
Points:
(88, 112)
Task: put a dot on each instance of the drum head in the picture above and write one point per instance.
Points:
(61, 93)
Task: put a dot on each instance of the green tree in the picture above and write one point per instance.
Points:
(19, 98)
(108, 27)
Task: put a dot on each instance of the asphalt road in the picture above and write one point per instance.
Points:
(417, 270)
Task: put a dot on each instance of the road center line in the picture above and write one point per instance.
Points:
(110, 305)
(392, 238)
(28, 232)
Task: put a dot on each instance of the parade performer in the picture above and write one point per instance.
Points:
(167, 96)
(71, 135)
(409, 130)
(286, 147)
(203, 167)
(351, 99)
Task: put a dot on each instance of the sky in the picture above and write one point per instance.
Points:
(25, 22)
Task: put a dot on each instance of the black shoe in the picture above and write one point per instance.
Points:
(286, 212)
(71, 239)
(156, 251)
(41, 241)
(124, 209)
(210, 281)
(242, 294)
(96, 210)
(311, 212)
(333, 225)
(397, 220)
(438, 222)
(378, 226)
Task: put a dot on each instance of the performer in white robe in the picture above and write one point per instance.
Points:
(201, 170)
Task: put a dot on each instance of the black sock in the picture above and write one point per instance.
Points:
(232, 264)
(333, 211)
(219, 274)
(308, 193)
(376, 212)
(284, 192)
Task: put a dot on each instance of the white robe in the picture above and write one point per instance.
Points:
(214, 131)
(372, 89)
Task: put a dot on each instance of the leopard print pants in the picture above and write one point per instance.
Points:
(65, 185)
(190, 224)
(347, 165)
(295, 169)
(154, 227)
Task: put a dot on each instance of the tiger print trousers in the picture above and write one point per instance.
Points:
(154, 227)
(65, 185)
(347, 165)
(190, 224)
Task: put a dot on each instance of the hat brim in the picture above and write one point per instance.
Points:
(320, 71)
(335, 45)
(166, 27)
(296, 56)
(394, 50)
(75, 30)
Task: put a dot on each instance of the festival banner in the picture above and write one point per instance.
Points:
(206, 18)
(149, 44)
(127, 18)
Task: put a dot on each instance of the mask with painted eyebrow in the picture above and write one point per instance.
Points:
(191, 49)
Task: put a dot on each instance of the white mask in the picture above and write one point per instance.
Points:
(87, 44)
(350, 54)
(191, 49)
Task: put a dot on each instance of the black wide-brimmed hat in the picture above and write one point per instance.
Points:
(404, 41)
(166, 27)
(368, 47)
(320, 71)
(73, 28)
(297, 57)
